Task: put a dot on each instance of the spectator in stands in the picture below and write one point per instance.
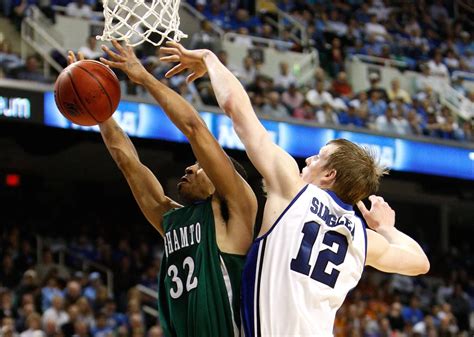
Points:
(205, 38)
(55, 313)
(32, 72)
(466, 133)
(437, 67)
(247, 73)
(91, 50)
(48, 265)
(79, 9)
(21, 9)
(9, 274)
(34, 326)
(318, 95)
(374, 79)
(376, 105)
(341, 86)
(414, 123)
(274, 109)
(284, 78)
(395, 92)
(437, 11)
(306, 111)
(67, 328)
(451, 60)
(155, 331)
(351, 116)
(413, 313)
(388, 122)
(90, 292)
(376, 30)
(292, 98)
(85, 311)
(326, 114)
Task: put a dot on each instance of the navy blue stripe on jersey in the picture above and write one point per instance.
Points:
(364, 229)
(282, 214)
(338, 201)
(248, 290)
(259, 279)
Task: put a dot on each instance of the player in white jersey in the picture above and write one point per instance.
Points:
(311, 248)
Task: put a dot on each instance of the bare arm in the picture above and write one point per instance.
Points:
(388, 249)
(229, 185)
(145, 187)
(278, 168)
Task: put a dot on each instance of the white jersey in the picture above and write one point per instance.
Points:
(298, 274)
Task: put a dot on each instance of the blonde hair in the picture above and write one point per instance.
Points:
(358, 172)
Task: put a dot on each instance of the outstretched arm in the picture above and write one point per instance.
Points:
(388, 249)
(145, 187)
(279, 169)
(211, 157)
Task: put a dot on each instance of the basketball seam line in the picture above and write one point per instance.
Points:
(79, 97)
(100, 84)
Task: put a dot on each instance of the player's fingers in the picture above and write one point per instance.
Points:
(374, 200)
(80, 56)
(171, 51)
(111, 64)
(192, 77)
(118, 46)
(176, 45)
(71, 58)
(171, 59)
(360, 204)
(175, 70)
(112, 54)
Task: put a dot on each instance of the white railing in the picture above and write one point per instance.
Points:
(261, 41)
(296, 28)
(38, 34)
(379, 61)
(457, 102)
(85, 262)
(151, 293)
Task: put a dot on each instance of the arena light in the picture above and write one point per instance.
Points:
(13, 180)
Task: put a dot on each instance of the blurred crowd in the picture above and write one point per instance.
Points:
(41, 297)
(423, 35)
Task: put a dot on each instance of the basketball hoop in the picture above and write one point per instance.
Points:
(137, 21)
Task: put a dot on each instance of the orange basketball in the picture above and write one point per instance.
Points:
(87, 92)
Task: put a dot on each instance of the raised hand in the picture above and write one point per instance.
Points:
(126, 61)
(71, 57)
(192, 60)
(380, 216)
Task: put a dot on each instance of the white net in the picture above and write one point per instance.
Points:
(137, 21)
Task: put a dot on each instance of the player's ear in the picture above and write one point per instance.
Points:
(329, 177)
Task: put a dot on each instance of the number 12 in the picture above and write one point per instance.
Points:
(301, 264)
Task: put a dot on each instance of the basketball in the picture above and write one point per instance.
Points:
(87, 92)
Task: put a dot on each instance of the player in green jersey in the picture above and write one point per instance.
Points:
(206, 240)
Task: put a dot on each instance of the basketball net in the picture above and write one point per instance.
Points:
(137, 21)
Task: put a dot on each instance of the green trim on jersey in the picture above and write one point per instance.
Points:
(193, 297)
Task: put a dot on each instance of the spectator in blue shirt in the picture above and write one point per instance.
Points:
(413, 313)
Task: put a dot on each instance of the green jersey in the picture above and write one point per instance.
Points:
(199, 289)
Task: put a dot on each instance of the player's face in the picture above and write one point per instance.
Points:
(195, 185)
(314, 172)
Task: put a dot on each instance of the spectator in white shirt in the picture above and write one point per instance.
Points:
(388, 122)
(318, 95)
(326, 114)
(34, 326)
(79, 9)
(247, 73)
(285, 78)
(55, 313)
(373, 28)
(437, 68)
(90, 50)
(292, 97)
